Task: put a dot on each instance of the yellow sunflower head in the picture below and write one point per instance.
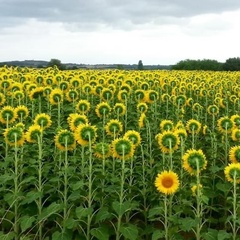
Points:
(35, 93)
(122, 148)
(106, 94)
(133, 136)
(166, 125)
(225, 125)
(232, 172)
(168, 141)
(19, 95)
(21, 111)
(142, 107)
(194, 161)
(167, 182)
(33, 134)
(119, 109)
(234, 154)
(123, 95)
(236, 119)
(114, 127)
(180, 100)
(85, 134)
(64, 86)
(75, 119)
(14, 136)
(7, 115)
(83, 106)
(56, 96)
(193, 126)
(102, 109)
(212, 109)
(140, 95)
(102, 150)
(43, 120)
(151, 96)
(65, 140)
(235, 135)
(72, 95)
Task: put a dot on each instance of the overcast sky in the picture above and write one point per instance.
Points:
(119, 31)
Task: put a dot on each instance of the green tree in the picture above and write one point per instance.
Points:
(56, 62)
(232, 64)
(140, 65)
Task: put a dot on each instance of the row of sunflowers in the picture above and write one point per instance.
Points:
(113, 154)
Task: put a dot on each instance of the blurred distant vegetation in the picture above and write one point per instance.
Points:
(231, 64)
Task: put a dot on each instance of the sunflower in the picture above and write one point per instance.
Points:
(72, 95)
(180, 100)
(167, 182)
(144, 86)
(64, 86)
(212, 109)
(98, 89)
(197, 107)
(114, 127)
(75, 83)
(236, 119)
(120, 109)
(19, 95)
(106, 94)
(7, 115)
(36, 93)
(140, 95)
(87, 89)
(235, 135)
(56, 96)
(194, 160)
(43, 120)
(47, 91)
(122, 148)
(21, 112)
(133, 136)
(193, 126)
(142, 120)
(33, 134)
(166, 125)
(122, 95)
(14, 136)
(165, 97)
(151, 96)
(168, 141)
(75, 119)
(49, 81)
(234, 154)
(225, 125)
(102, 150)
(83, 106)
(5, 84)
(142, 107)
(182, 133)
(102, 109)
(189, 102)
(39, 80)
(232, 171)
(16, 86)
(30, 87)
(2, 99)
(65, 140)
(85, 134)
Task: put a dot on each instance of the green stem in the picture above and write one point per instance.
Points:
(16, 190)
(234, 206)
(166, 218)
(121, 198)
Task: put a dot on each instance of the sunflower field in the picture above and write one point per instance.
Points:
(116, 154)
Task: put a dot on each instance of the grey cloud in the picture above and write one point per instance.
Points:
(112, 13)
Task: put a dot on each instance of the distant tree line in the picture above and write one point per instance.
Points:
(231, 64)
